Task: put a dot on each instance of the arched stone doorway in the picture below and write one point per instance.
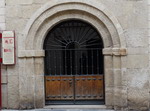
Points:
(74, 69)
(31, 51)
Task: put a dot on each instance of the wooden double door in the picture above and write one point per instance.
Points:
(74, 89)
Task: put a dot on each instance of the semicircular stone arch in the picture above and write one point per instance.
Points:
(99, 17)
(52, 8)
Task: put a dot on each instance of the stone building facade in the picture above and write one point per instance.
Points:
(125, 29)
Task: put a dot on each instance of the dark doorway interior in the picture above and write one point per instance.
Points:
(74, 68)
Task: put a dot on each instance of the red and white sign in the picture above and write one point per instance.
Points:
(8, 47)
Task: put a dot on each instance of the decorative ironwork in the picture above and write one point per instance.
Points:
(73, 48)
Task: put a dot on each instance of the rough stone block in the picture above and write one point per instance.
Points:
(40, 1)
(138, 78)
(4, 79)
(116, 62)
(117, 78)
(2, 3)
(117, 96)
(2, 11)
(4, 96)
(13, 91)
(12, 11)
(2, 26)
(109, 96)
(25, 2)
(137, 51)
(138, 35)
(12, 70)
(123, 62)
(16, 24)
(107, 51)
(40, 53)
(29, 67)
(26, 11)
(27, 90)
(109, 77)
(39, 92)
(137, 61)
(12, 2)
(39, 66)
(138, 99)
(108, 62)
(124, 77)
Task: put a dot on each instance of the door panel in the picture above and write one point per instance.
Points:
(59, 88)
(67, 88)
(98, 87)
(53, 88)
(74, 87)
(89, 87)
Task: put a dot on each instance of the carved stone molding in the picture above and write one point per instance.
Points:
(31, 53)
(115, 51)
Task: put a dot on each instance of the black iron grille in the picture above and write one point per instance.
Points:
(73, 48)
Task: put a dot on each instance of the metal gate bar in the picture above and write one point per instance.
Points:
(74, 62)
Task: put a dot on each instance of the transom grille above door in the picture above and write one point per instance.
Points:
(73, 48)
(74, 64)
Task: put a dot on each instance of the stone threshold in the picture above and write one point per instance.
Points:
(75, 107)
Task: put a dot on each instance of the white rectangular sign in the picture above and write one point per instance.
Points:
(8, 47)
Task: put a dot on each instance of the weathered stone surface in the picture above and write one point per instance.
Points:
(110, 96)
(4, 79)
(12, 11)
(116, 62)
(2, 26)
(19, 24)
(2, 11)
(109, 62)
(27, 90)
(138, 51)
(137, 61)
(4, 96)
(135, 80)
(123, 24)
(138, 88)
(2, 3)
(109, 77)
(26, 83)
(137, 99)
(39, 92)
(40, 1)
(39, 66)
(13, 91)
(26, 11)
(136, 38)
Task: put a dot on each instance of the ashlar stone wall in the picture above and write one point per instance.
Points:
(4, 76)
(124, 26)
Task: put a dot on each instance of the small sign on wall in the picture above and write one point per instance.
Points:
(8, 47)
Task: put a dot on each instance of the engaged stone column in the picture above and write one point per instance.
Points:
(114, 88)
(31, 79)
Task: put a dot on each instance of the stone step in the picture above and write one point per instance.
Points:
(70, 108)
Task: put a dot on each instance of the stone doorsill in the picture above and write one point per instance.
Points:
(75, 107)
